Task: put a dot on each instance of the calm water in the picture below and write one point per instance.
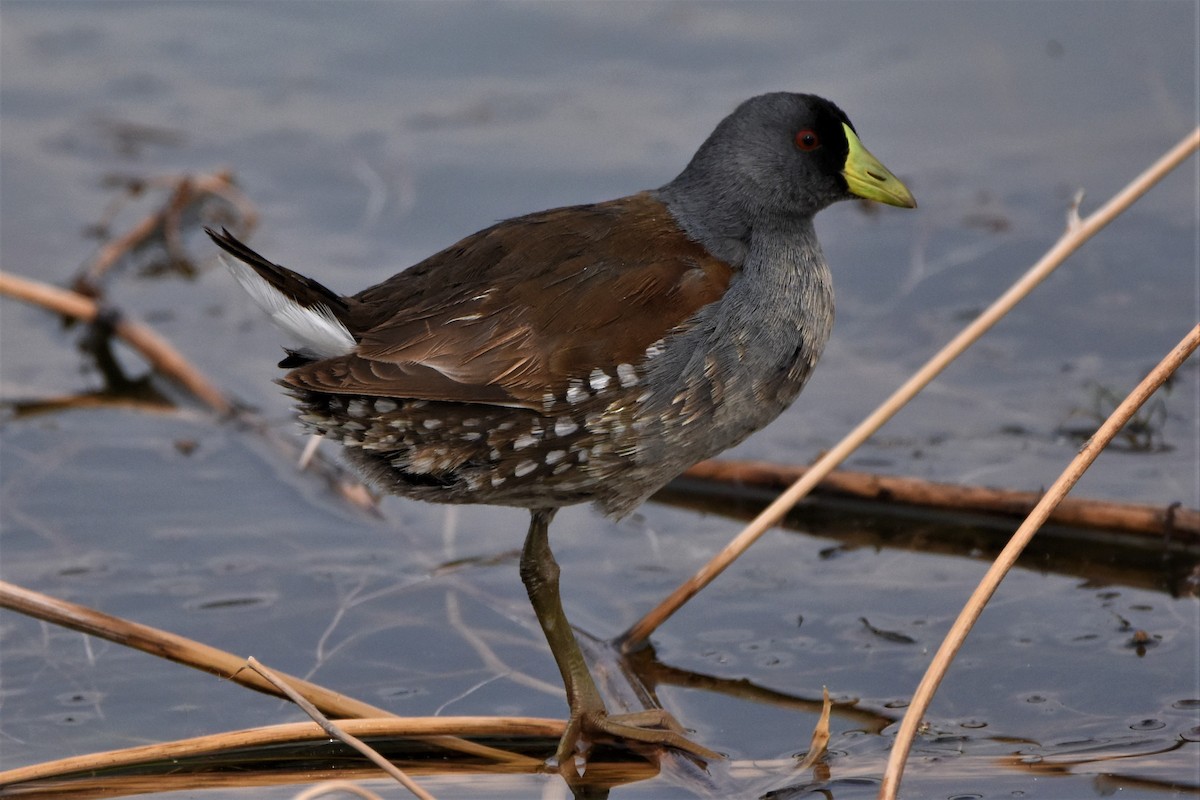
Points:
(371, 134)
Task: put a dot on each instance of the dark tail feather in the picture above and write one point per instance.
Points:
(300, 289)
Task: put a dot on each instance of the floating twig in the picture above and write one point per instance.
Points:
(208, 747)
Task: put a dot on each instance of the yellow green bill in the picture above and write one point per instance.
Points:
(870, 179)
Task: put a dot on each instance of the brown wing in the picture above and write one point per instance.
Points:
(516, 311)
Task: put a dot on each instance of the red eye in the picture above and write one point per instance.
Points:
(807, 140)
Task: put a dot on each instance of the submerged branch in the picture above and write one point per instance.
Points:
(1156, 521)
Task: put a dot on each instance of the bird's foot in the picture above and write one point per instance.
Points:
(650, 727)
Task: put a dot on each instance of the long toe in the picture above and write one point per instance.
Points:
(653, 727)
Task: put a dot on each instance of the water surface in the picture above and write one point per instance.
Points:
(369, 135)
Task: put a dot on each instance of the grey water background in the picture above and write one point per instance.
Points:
(372, 134)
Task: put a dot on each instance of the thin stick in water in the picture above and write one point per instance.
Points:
(338, 733)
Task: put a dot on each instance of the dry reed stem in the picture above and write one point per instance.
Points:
(337, 733)
(1078, 231)
(1004, 562)
(819, 743)
(329, 787)
(157, 350)
(172, 647)
(289, 733)
(1155, 521)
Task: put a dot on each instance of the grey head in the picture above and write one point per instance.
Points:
(777, 160)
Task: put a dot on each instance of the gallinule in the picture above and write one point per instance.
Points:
(589, 353)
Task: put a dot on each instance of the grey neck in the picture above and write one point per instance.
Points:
(708, 218)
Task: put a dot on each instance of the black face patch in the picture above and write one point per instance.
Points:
(825, 121)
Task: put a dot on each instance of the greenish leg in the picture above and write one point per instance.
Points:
(539, 572)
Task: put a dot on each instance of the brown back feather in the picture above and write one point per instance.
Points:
(515, 311)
